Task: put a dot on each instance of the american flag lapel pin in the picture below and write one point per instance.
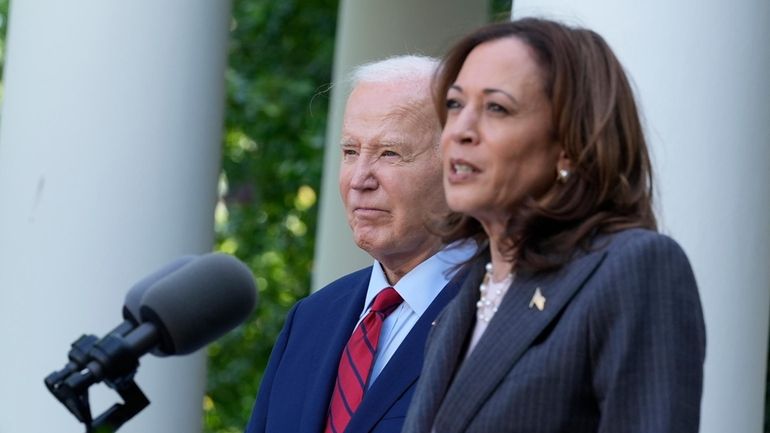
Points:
(538, 300)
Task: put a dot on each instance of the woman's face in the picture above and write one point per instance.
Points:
(497, 144)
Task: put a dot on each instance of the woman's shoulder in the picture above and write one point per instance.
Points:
(645, 262)
(645, 259)
(641, 271)
(639, 242)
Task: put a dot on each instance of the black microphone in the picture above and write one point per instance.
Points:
(134, 295)
(79, 353)
(197, 304)
(180, 312)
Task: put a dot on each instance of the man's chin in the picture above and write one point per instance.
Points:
(373, 244)
(366, 243)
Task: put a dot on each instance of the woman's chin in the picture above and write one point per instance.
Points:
(460, 204)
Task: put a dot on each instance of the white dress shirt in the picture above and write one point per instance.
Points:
(418, 288)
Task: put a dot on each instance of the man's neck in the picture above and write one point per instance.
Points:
(396, 267)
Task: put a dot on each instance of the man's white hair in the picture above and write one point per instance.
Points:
(411, 73)
(395, 69)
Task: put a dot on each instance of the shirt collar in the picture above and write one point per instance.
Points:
(422, 284)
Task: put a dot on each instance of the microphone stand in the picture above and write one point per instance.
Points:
(110, 359)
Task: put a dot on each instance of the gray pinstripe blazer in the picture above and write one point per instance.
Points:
(619, 347)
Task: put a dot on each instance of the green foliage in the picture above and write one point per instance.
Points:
(499, 10)
(3, 31)
(281, 55)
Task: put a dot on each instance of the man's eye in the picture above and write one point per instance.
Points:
(389, 153)
(349, 152)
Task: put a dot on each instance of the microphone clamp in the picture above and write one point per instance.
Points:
(111, 360)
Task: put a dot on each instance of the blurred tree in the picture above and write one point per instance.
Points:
(3, 30)
(280, 63)
(499, 10)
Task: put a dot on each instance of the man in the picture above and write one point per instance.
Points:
(350, 354)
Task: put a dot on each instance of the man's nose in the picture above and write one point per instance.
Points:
(364, 175)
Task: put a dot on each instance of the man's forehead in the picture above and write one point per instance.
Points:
(389, 99)
(382, 138)
(395, 124)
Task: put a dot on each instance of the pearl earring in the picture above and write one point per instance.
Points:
(562, 175)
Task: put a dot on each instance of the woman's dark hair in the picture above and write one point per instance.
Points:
(595, 121)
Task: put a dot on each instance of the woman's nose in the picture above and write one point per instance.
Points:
(463, 127)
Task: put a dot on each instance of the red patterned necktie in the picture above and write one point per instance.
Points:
(357, 360)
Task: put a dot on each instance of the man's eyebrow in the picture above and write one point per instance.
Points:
(384, 142)
(390, 142)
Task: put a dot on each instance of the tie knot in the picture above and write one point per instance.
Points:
(386, 301)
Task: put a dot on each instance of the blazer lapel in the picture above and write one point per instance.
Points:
(404, 367)
(517, 325)
(341, 318)
(445, 349)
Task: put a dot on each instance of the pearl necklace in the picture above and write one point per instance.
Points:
(491, 295)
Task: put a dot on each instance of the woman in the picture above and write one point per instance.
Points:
(584, 319)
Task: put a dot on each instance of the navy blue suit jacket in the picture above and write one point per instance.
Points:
(298, 382)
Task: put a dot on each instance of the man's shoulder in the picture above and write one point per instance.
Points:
(342, 286)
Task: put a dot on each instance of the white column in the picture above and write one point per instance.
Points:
(370, 30)
(109, 157)
(700, 69)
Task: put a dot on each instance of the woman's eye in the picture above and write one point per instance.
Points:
(496, 108)
(452, 103)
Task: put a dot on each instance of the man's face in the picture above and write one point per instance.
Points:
(390, 175)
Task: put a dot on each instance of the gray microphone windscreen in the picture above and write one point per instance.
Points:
(199, 302)
(133, 299)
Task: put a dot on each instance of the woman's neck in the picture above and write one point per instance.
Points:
(500, 252)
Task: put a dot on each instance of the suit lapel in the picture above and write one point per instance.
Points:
(341, 317)
(516, 325)
(403, 369)
(446, 347)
